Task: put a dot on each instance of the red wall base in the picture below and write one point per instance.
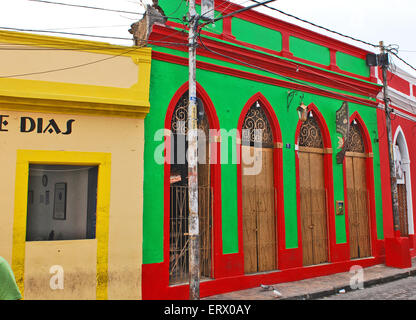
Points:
(398, 253)
(155, 287)
(412, 240)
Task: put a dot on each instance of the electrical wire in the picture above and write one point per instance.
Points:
(79, 34)
(89, 27)
(83, 6)
(275, 73)
(318, 26)
(68, 68)
(402, 60)
(229, 4)
(180, 5)
(65, 33)
(98, 8)
(237, 11)
(84, 64)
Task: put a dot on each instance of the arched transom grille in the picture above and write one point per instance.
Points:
(355, 142)
(256, 130)
(310, 134)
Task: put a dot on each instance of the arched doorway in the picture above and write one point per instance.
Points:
(258, 191)
(404, 191)
(357, 193)
(179, 206)
(312, 192)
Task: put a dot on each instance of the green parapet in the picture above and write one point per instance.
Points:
(352, 64)
(256, 34)
(309, 51)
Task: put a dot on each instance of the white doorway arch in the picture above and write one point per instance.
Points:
(402, 164)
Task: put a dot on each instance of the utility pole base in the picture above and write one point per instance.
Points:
(398, 252)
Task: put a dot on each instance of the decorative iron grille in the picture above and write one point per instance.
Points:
(179, 240)
(355, 142)
(179, 122)
(310, 134)
(179, 199)
(256, 128)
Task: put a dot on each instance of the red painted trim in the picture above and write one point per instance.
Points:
(385, 175)
(286, 30)
(156, 291)
(215, 181)
(258, 78)
(328, 181)
(408, 129)
(370, 186)
(280, 66)
(294, 30)
(333, 64)
(412, 114)
(396, 82)
(347, 221)
(277, 179)
(414, 90)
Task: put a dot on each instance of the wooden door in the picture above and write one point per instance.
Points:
(358, 207)
(313, 207)
(205, 201)
(259, 225)
(402, 202)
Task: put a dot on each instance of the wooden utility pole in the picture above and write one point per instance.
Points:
(192, 136)
(388, 110)
(194, 259)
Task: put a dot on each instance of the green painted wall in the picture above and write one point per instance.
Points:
(309, 51)
(229, 96)
(271, 39)
(352, 64)
(256, 34)
(179, 9)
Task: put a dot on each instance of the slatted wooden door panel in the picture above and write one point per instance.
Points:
(358, 209)
(313, 208)
(259, 226)
(205, 209)
(402, 201)
(249, 204)
(266, 231)
(305, 208)
(319, 216)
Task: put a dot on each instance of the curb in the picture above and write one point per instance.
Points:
(347, 288)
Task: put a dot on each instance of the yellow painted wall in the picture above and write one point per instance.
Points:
(119, 138)
(61, 75)
(105, 89)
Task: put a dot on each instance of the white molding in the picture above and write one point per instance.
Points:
(400, 140)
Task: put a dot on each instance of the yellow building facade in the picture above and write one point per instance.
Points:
(71, 143)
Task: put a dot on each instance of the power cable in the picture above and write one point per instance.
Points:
(227, 6)
(236, 11)
(89, 27)
(402, 60)
(65, 33)
(83, 6)
(84, 35)
(318, 26)
(275, 73)
(67, 68)
(84, 64)
(96, 8)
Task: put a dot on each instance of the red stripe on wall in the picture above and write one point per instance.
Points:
(396, 82)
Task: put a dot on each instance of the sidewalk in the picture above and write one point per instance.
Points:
(321, 286)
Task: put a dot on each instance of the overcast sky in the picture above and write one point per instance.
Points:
(369, 20)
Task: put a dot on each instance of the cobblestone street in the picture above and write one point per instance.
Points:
(403, 289)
